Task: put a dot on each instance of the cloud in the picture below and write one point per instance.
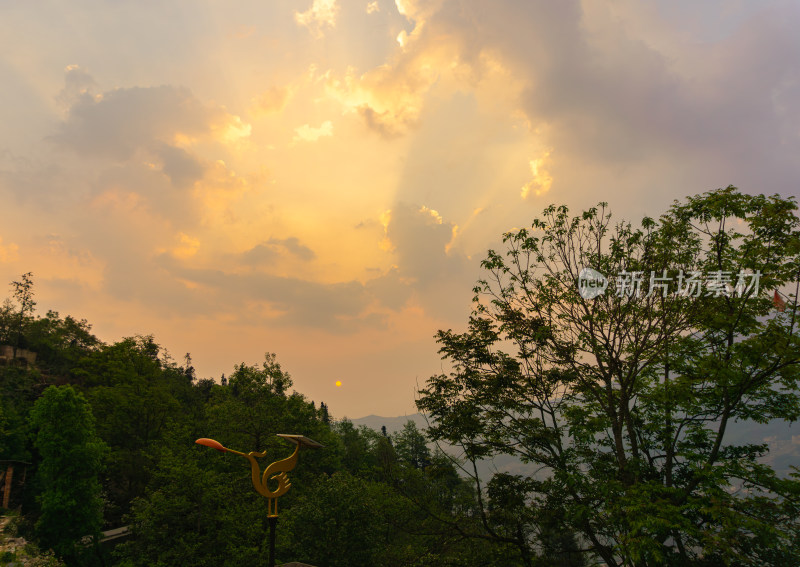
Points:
(388, 123)
(187, 246)
(142, 145)
(146, 189)
(294, 247)
(270, 101)
(336, 307)
(391, 289)
(608, 93)
(321, 14)
(419, 238)
(138, 126)
(262, 254)
(307, 133)
(271, 250)
(432, 57)
(118, 123)
(8, 252)
(390, 98)
(78, 84)
(180, 166)
(439, 276)
(624, 90)
(170, 207)
(542, 180)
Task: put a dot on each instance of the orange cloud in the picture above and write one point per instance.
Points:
(8, 252)
(307, 133)
(187, 246)
(542, 180)
(271, 101)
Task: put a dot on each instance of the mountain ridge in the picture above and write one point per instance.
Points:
(781, 437)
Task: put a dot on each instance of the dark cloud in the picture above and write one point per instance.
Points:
(119, 122)
(419, 237)
(338, 307)
(272, 249)
(261, 254)
(294, 247)
(78, 84)
(391, 290)
(388, 124)
(139, 124)
(180, 166)
(438, 278)
(710, 89)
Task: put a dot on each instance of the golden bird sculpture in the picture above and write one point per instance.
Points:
(276, 472)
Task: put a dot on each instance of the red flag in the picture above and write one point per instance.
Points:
(778, 301)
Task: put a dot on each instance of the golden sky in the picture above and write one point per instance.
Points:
(321, 179)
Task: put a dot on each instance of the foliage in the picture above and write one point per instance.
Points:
(338, 523)
(411, 446)
(206, 500)
(622, 401)
(134, 396)
(60, 344)
(71, 458)
(23, 295)
(197, 511)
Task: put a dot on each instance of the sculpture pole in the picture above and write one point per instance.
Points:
(276, 471)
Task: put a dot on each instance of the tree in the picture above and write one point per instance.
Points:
(71, 459)
(324, 414)
(358, 444)
(133, 397)
(411, 446)
(198, 510)
(206, 499)
(60, 344)
(621, 399)
(249, 408)
(23, 294)
(337, 523)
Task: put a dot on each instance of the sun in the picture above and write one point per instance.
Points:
(338, 383)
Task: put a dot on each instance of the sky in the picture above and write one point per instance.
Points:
(321, 178)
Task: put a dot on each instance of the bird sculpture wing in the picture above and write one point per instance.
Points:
(277, 471)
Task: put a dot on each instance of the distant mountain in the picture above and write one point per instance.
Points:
(502, 463)
(782, 437)
(393, 424)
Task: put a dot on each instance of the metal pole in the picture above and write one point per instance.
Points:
(273, 521)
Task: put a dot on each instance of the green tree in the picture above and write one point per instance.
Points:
(358, 443)
(412, 446)
(71, 459)
(133, 395)
(622, 400)
(247, 412)
(199, 506)
(61, 345)
(337, 523)
(198, 510)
